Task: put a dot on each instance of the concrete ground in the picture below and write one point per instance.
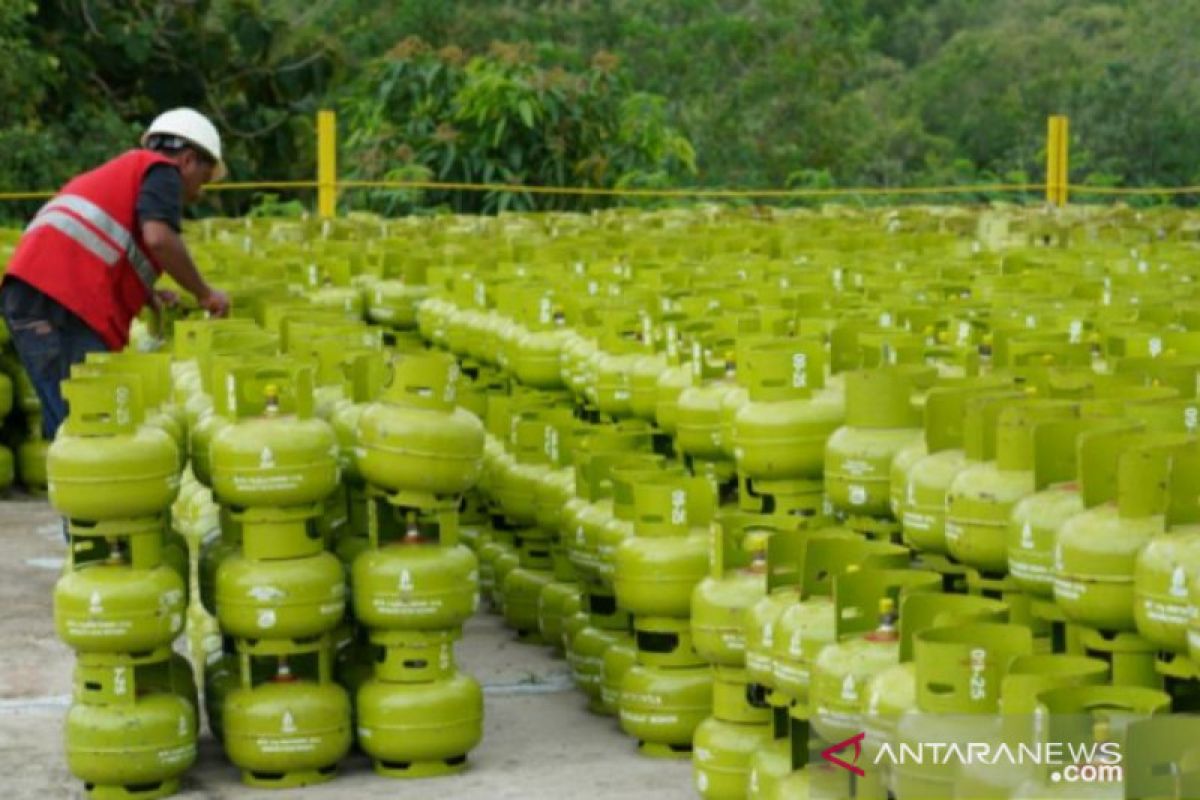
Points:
(539, 741)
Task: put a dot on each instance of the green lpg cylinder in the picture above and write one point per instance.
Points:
(845, 694)
(154, 370)
(411, 582)
(657, 569)
(671, 383)
(618, 659)
(881, 420)
(698, 413)
(953, 703)
(585, 655)
(394, 303)
(1035, 520)
(662, 708)
(507, 561)
(213, 552)
(605, 536)
(769, 764)
(797, 637)
(517, 480)
(220, 678)
(802, 629)
(7, 395)
(571, 617)
(136, 749)
(32, 457)
(285, 598)
(523, 586)
(1097, 549)
(200, 437)
(800, 565)
(1165, 566)
(415, 439)
(116, 595)
(106, 464)
(779, 435)
(416, 730)
(8, 469)
(275, 453)
(646, 370)
(863, 648)
(960, 432)
(287, 731)
(1105, 716)
(737, 580)
(981, 497)
(536, 359)
(721, 753)
(612, 370)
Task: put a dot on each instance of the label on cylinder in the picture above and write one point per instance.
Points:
(183, 754)
(1066, 589)
(290, 744)
(797, 675)
(1030, 571)
(267, 483)
(405, 607)
(655, 718)
(98, 627)
(917, 521)
(1170, 613)
(858, 467)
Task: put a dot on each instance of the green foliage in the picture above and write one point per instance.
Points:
(636, 93)
(270, 205)
(504, 118)
(83, 78)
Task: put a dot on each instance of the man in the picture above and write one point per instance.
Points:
(87, 263)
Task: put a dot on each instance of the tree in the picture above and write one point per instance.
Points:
(502, 117)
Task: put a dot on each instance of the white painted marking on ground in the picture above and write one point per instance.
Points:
(549, 684)
(51, 530)
(45, 563)
(22, 705)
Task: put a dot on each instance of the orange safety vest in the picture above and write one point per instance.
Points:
(84, 247)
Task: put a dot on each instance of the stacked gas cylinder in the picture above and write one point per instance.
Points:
(132, 727)
(908, 469)
(279, 595)
(766, 482)
(415, 585)
(23, 451)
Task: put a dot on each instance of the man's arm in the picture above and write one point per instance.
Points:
(168, 249)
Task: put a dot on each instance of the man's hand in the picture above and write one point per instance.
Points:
(165, 298)
(215, 302)
(169, 250)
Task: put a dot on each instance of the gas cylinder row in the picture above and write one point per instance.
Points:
(132, 726)
(1037, 441)
(301, 679)
(293, 678)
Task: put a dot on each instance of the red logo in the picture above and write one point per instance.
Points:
(856, 740)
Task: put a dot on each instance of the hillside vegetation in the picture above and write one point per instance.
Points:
(751, 93)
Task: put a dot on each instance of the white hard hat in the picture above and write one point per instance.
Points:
(195, 128)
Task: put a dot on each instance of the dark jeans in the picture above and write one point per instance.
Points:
(48, 339)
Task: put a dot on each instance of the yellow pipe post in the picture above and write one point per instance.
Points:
(1064, 149)
(1052, 160)
(326, 164)
(1057, 151)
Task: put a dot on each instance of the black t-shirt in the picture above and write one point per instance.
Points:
(161, 196)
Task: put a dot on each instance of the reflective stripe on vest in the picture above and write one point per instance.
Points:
(53, 214)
